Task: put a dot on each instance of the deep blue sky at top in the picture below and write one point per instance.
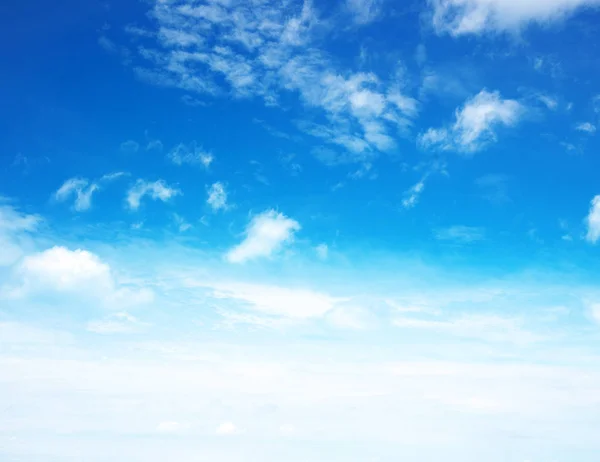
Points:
(68, 103)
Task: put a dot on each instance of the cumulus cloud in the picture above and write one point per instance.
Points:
(461, 17)
(475, 124)
(266, 234)
(190, 154)
(217, 196)
(74, 272)
(592, 221)
(157, 190)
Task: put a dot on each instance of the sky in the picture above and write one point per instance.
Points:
(355, 231)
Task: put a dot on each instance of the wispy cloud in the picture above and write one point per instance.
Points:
(217, 196)
(190, 154)
(268, 51)
(475, 125)
(130, 147)
(157, 190)
(266, 234)
(83, 190)
(586, 127)
(592, 221)
(461, 17)
(460, 233)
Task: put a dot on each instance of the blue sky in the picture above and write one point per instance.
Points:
(354, 230)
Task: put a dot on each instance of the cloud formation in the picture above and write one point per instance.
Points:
(462, 17)
(157, 190)
(266, 234)
(592, 221)
(475, 124)
(217, 196)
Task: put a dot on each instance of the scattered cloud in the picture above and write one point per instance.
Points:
(157, 190)
(592, 221)
(475, 125)
(586, 127)
(190, 154)
(460, 234)
(266, 234)
(268, 52)
(462, 17)
(217, 197)
(130, 147)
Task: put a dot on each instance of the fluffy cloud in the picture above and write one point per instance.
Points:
(157, 190)
(460, 17)
(592, 221)
(74, 272)
(190, 154)
(265, 235)
(475, 125)
(217, 196)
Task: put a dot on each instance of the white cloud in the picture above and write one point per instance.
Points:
(266, 234)
(157, 190)
(181, 223)
(81, 188)
(476, 123)
(74, 272)
(548, 101)
(276, 301)
(460, 233)
(364, 11)
(594, 309)
(280, 55)
(586, 127)
(592, 221)
(154, 145)
(217, 196)
(322, 251)
(411, 197)
(15, 229)
(130, 147)
(226, 428)
(190, 154)
(460, 17)
(349, 317)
